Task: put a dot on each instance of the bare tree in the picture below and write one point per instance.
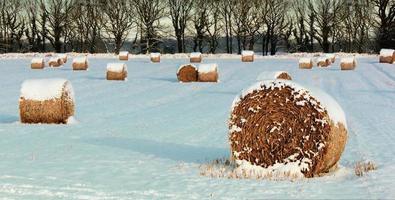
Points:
(226, 11)
(275, 23)
(385, 11)
(12, 25)
(240, 15)
(200, 20)
(180, 13)
(213, 27)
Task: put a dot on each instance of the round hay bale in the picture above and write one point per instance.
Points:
(331, 56)
(155, 57)
(80, 63)
(208, 73)
(247, 56)
(124, 55)
(187, 73)
(305, 63)
(387, 56)
(323, 62)
(195, 57)
(37, 63)
(348, 63)
(55, 62)
(49, 101)
(117, 71)
(281, 125)
(63, 57)
(274, 75)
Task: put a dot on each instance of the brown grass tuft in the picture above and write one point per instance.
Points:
(361, 168)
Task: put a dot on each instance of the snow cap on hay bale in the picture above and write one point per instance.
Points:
(274, 75)
(208, 73)
(80, 63)
(123, 55)
(247, 56)
(285, 129)
(55, 62)
(117, 71)
(155, 57)
(387, 56)
(331, 56)
(305, 63)
(187, 73)
(323, 62)
(49, 101)
(37, 63)
(348, 63)
(63, 56)
(195, 57)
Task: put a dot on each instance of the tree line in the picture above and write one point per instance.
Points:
(209, 26)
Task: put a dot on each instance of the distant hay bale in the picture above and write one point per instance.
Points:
(331, 56)
(247, 56)
(49, 101)
(37, 63)
(387, 56)
(348, 63)
(195, 57)
(305, 63)
(155, 57)
(124, 55)
(208, 73)
(187, 73)
(268, 75)
(117, 71)
(63, 57)
(284, 128)
(55, 62)
(80, 63)
(323, 62)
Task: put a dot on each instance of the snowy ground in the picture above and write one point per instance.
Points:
(146, 138)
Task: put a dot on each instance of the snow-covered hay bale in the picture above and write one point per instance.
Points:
(247, 56)
(187, 73)
(195, 57)
(37, 63)
(80, 63)
(305, 63)
(55, 62)
(331, 56)
(155, 57)
(49, 101)
(323, 62)
(208, 73)
(63, 57)
(123, 55)
(387, 56)
(274, 75)
(285, 129)
(348, 63)
(117, 71)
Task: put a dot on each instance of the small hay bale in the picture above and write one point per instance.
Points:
(195, 57)
(305, 63)
(285, 128)
(80, 63)
(323, 62)
(274, 75)
(208, 73)
(348, 63)
(49, 101)
(124, 55)
(247, 56)
(387, 56)
(55, 62)
(117, 71)
(37, 63)
(155, 57)
(331, 56)
(187, 73)
(63, 57)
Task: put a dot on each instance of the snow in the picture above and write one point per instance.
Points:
(124, 53)
(207, 68)
(154, 55)
(322, 59)
(62, 55)
(116, 67)
(45, 89)
(37, 60)
(146, 138)
(195, 55)
(348, 60)
(247, 53)
(80, 59)
(387, 52)
(269, 75)
(305, 60)
(54, 59)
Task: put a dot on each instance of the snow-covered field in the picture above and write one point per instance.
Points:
(146, 138)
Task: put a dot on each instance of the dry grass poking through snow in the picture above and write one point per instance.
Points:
(362, 168)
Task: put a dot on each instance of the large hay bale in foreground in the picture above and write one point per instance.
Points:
(37, 63)
(387, 56)
(55, 62)
(208, 73)
(323, 62)
(247, 56)
(305, 63)
(274, 75)
(49, 101)
(285, 128)
(155, 57)
(80, 63)
(187, 73)
(124, 55)
(348, 63)
(117, 71)
(195, 57)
